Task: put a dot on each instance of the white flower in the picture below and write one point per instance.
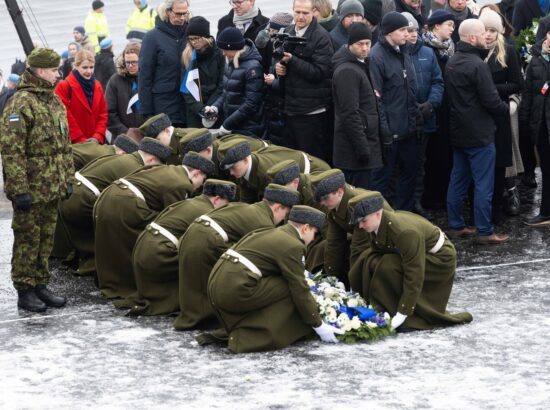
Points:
(352, 302)
(371, 325)
(355, 323)
(387, 316)
(309, 282)
(340, 285)
(330, 314)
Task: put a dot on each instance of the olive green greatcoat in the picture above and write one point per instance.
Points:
(252, 188)
(267, 312)
(155, 258)
(86, 152)
(76, 213)
(120, 216)
(199, 250)
(398, 273)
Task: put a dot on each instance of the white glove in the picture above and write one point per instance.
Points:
(398, 320)
(513, 107)
(223, 131)
(208, 123)
(211, 108)
(327, 333)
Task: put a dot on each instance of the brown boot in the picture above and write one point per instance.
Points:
(493, 239)
(461, 233)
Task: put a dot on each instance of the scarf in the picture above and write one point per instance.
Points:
(545, 51)
(459, 15)
(87, 86)
(414, 11)
(445, 49)
(246, 18)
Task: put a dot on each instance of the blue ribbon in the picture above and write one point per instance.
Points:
(363, 313)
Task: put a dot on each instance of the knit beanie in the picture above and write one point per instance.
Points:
(351, 7)
(280, 20)
(97, 5)
(198, 26)
(412, 21)
(80, 29)
(358, 32)
(393, 21)
(373, 10)
(230, 38)
(491, 19)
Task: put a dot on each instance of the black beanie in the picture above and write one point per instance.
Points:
(358, 32)
(198, 26)
(373, 10)
(230, 38)
(393, 21)
(97, 5)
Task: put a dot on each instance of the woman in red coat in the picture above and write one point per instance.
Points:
(83, 97)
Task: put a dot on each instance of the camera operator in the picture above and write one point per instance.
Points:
(306, 82)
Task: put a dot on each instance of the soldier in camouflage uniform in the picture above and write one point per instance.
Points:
(38, 171)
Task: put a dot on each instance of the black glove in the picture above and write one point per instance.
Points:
(69, 190)
(23, 202)
(426, 110)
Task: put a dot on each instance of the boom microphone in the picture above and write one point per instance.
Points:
(262, 39)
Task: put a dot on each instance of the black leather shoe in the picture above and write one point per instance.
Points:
(48, 297)
(28, 300)
(538, 220)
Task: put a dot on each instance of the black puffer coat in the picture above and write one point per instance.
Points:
(240, 105)
(104, 67)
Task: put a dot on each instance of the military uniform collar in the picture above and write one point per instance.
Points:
(384, 228)
(264, 205)
(342, 211)
(292, 231)
(247, 173)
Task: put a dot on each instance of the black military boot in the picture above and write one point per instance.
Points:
(48, 297)
(28, 300)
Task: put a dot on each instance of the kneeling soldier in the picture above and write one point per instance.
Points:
(125, 208)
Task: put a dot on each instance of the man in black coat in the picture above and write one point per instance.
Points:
(105, 63)
(474, 102)
(524, 13)
(356, 140)
(306, 82)
(246, 16)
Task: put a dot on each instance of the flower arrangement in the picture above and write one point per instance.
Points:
(347, 310)
(525, 40)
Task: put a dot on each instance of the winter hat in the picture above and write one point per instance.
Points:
(439, 17)
(221, 188)
(351, 7)
(304, 214)
(393, 21)
(43, 58)
(327, 182)
(65, 54)
(105, 43)
(281, 195)
(365, 204)
(97, 5)
(14, 78)
(284, 172)
(230, 38)
(358, 32)
(80, 29)
(155, 147)
(412, 21)
(280, 20)
(373, 10)
(154, 125)
(198, 26)
(194, 160)
(231, 152)
(491, 19)
(126, 144)
(196, 140)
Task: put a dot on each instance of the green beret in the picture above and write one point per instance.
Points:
(364, 204)
(232, 151)
(194, 160)
(154, 125)
(197, 139)
(43, 58)
(155, 147)
(281, 195)
(221, 188)
(327, 182)
(284, 172)
(126, 144)
(304, 214)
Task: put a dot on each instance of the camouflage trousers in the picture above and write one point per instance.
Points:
(33, 233)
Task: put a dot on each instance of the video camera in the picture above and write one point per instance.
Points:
(285, 43)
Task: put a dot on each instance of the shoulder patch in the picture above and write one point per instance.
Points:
(14, 117)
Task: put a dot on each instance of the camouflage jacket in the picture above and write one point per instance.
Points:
(34, 142)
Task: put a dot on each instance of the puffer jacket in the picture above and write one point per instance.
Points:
(243, 88)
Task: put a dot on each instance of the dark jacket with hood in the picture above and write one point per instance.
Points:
(240, 105)
(104, 67)
(356, 136)
(534, 110)
(160, 71)
(473, 98)
(339, 36)
(253, 29)
(118, 94)
(394, 81)
(211, 66)
(307, 84)
(330, 22)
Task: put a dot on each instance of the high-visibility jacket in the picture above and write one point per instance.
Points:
(96, 28)
(140, 22)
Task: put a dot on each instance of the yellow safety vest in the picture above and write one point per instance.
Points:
(96, 27)
(140, 22)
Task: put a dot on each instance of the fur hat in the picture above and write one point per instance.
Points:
(303, 214)
(284, 172)
(194, 160)
(154, 125)
(364, 204)
(327, 182)
(281, 195)
(126, 144)
(155, 147)
(221, 188)
(196, 140)
(43, 58)
(230, 152)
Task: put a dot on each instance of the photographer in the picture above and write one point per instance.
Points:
(306, 72)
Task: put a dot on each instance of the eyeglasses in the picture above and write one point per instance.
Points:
(237, 3)
(193, 39)
(185, 13)
(130, 63)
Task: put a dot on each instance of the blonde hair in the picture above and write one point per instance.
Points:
(84, 55)
(324, 7)
(500, 51)
(188, 51)
(235, 59)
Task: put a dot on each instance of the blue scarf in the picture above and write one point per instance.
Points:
(87, 86)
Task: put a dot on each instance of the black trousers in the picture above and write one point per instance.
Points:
(543, 148)
(310, 133)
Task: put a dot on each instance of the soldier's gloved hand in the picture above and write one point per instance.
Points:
(210, 109)
(70, 190)
(398, 320)
(23, 202)
(223, 131)
(327, 333)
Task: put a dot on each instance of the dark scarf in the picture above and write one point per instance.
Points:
(459, 15)
(87, 86)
